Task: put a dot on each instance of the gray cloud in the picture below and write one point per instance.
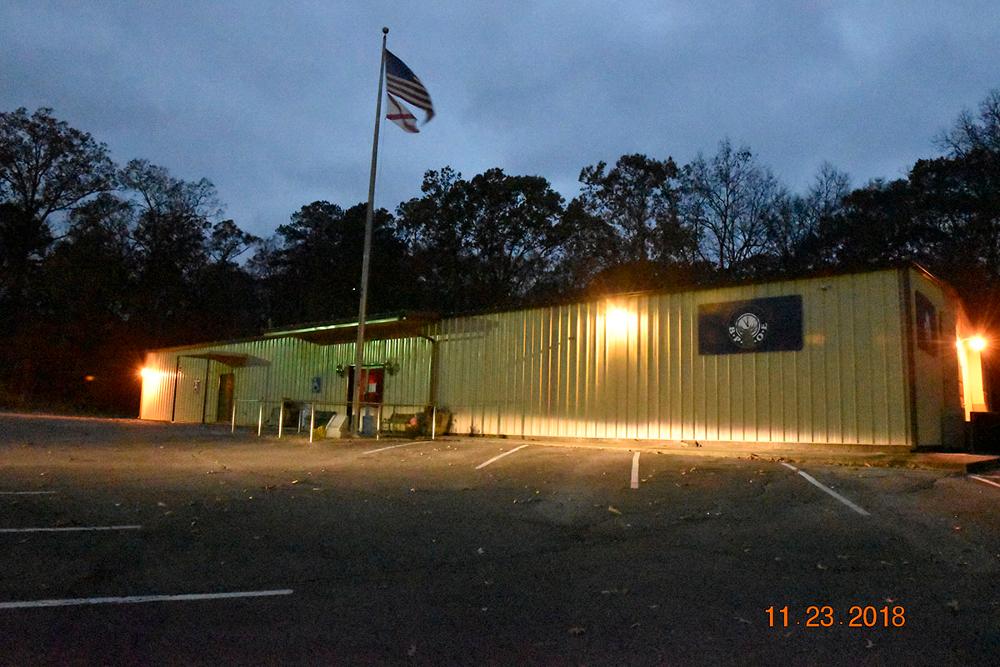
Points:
(274, 102)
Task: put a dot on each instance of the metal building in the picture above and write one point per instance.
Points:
(885, 357)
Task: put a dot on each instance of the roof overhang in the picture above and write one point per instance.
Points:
(232, 359)
(406, 325)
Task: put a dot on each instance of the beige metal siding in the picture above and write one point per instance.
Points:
(938, 391)
(625, 367)
(293, 364)
(569, 371)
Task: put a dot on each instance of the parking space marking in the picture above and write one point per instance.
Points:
(67, 529)
(812, 480)
(984, 480)
(136, 599)
(498, 457)
(405, 444)
(27, 493)
(635, 470)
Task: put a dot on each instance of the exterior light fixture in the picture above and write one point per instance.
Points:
(150, 374)
(617, 321)
(975, 343)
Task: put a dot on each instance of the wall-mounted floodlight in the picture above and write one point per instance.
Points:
(617, 321)
(977, 343)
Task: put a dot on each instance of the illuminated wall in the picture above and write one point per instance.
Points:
(630, 368)
(293, 365)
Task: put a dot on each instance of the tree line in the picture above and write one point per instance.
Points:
(99, 262)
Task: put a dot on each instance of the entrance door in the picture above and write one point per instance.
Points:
(372, 385)
(224, 411)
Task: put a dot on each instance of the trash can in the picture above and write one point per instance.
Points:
(368, 423)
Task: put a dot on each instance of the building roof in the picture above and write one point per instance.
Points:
(405, 324)
(379, 327)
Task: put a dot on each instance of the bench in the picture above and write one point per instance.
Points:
(407, 423)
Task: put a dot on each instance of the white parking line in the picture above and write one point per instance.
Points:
(498, 457)
(136, 599)
(812, 480)
(67, 529)
(27, 493)
(405, 444)
(635, 470)
(984, 480)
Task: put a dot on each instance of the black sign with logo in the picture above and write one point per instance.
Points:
(773, 324)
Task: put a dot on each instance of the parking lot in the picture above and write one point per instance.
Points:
(128, 542)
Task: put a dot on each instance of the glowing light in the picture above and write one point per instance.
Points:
(617, 320)
(977, 343)
(149, 374)
(88, 378)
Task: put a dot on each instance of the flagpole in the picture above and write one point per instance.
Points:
(366, 257)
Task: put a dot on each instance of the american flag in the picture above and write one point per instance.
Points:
(400, 115)
(404, 84)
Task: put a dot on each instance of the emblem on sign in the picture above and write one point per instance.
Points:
(767, 324)
(747, 329)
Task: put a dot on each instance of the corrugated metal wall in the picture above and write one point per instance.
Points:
(293, 365)
(938, 391)
(573, 371)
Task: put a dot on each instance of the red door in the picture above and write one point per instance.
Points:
(372, 383)
(372, 380)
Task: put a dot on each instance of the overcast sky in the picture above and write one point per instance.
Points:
(274, 101)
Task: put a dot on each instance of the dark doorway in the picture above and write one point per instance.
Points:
(224, 411)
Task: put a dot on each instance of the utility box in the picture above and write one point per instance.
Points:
(338, 427)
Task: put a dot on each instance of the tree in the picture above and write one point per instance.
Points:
(172, 219)
(87, 297)
(972, 132)
(637, 199)
(794, 232)
(731, 202)
(435, 230)
(229, 300)
(877, 226)
(311, 270)
(512, 233)
(46, 167)
(588, 247)
(483, 242)
(227, 242)
(298, 266)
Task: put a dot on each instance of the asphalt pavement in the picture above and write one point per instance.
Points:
(131, 543)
